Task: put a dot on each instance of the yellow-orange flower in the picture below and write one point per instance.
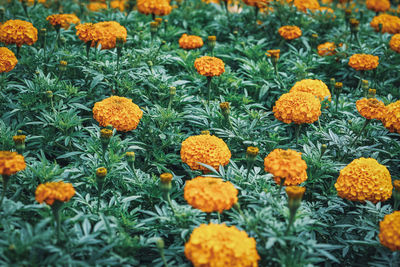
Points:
(274, 53)
(303, 5)
(290, 32)
(297, 107)
(63, 20)
(378, 5)
(190, 41)
(215, 245)
(155, 7)
(120, 112)
(257, 3)
(286, 164)
(363, 62)
(54, 191)
(295, 192)
(389, 231)
(107, 33)
(11, 163)
(166, 177)
(391, 120)
(371, 108)
(389, 23)
(86, 32)
(395, 43)
(118, 4)
(206, 149)
(315, 87)
(96, 6)
(326, 49)
(364, 179)
(209, 66)
(7, 60)
(18, 32)
(210, 194)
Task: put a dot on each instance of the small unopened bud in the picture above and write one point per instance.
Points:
(150, 63)
(63, 65)
(49, 94)
(332, 82)
(172, 91)
(252, 152)
(295, 194)
(212, 40)
(235, 32)
(338, 87)
(101, 173)
(205, 132)
(19, 141)
(347, 14)
(106, 133)
(158, 20)
(153, 27)
(225, 108)
(324, 147)
(160, 243)
(314, 35)
(354, 25)
(130, 156)
(365, 85)
(371, 93)
(165, 180)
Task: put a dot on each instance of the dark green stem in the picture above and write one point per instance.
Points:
(362, 129)
(291, 221)
(6, 178)
(209, 78)
(163, 258)
(297, 133)
(170, 202)
(281, 186)
(250, 165)
(100, 190)
(56, 213)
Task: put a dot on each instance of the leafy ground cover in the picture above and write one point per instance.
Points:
(119, 208)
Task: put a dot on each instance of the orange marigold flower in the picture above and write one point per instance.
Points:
(96, 6)
(395, 43)
(11, 163)
(257, 3)
(54, 191)
(315, 87)
(7, 60)
(371, 108)
(155, 7)
(389, 231)
(63, 20)
(210, 194)
(209, 66)
(389, 23)
(364, 179)
(286, 164)
(120, 112)
(378, 5)
(274, 53)
(220, 245)
(326, 49)
(363, 62)
(290, 32)
(107, 33)
(297, 107)
(206, 149)
(86, 33)
(18, 32)
(303, 5)
(118, 4)
(391, 119)
(190, 41)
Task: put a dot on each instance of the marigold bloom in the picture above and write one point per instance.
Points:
(206, 149)
(290, 32)
(326, 49)
(63, 20)
(101, 172)
(252, 151)
(96, 6)
(209, 66)
(8, 61)
(18, 32)
(107, 33)
(120, 112)
(297, 107)
(118, 4)
(286, 164)
(378, 5)
(155, 7)
(54, 191)
(364, 179)
(220, 245)
(295, 192)
(86, 32)
(303, 5)
(274, 53)
(11, 163)
(389, 231)
(315, 87)
(210, 194)
(389, 23)
(371, 108)
(166, 177)
(391, 119)
(257, 3)
(19, 139)
(190, 41)
(363, 62)
(395, 43)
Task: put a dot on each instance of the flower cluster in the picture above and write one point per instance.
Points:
(315, 87)
(190, 41)
(210, 194)
(209, 66)
(63, 20)
(378, 5)
(220, 245)
(363, 62)
(395, 43)
(54, 191)
(207, 149)
(371, 108)
(364, 179)
(326, 49)
(155, 7)
(11, 163)
(389, 231)
(120, 112)
(391, 120)
(297, 107)
(7, 60)
(290, 32)
(286, 164)
(389, 23)
(18, 32)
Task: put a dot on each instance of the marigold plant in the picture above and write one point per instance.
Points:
(395, 43)
(120, 112)
(391, 119)
(286, 164)
(207, 149)
(190, 41)
(315, 87)
(54, 191)
(63, 20)
(326, 49)
(220, 245)
(364, 179)
(18, 32)
(378, 5)
(11, 163)
(209, 66)
(386, 23)
(8, 61)
(363, 62)
(290, 32)
(389, 231)
(154, 7)
(371, 108)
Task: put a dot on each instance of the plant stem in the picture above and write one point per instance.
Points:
(297, 133)
(291, 221)
(281, 185)
(170, 202)
(208, 217)
(6, 178)
(362, 129)
(100, 185)
(56, 213)
(163, 258)
(208, 89)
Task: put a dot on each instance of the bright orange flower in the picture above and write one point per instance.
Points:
(63, 20)
(315, 87)
(391, 119)
(54, 191)
(96, 6)
(371, 108)
(327, 49)
(18, 32)
(290, 32)
(395, 43)
(389, 231)
(209, 66)
(11, 163)
(190, 41)
(303, 5)
(155, 7)
(363, 62)
(389, 23)
(378, 5)
(8, 61)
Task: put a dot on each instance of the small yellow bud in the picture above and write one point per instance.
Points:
(101, 173)
(252, 151)
(205, 132)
